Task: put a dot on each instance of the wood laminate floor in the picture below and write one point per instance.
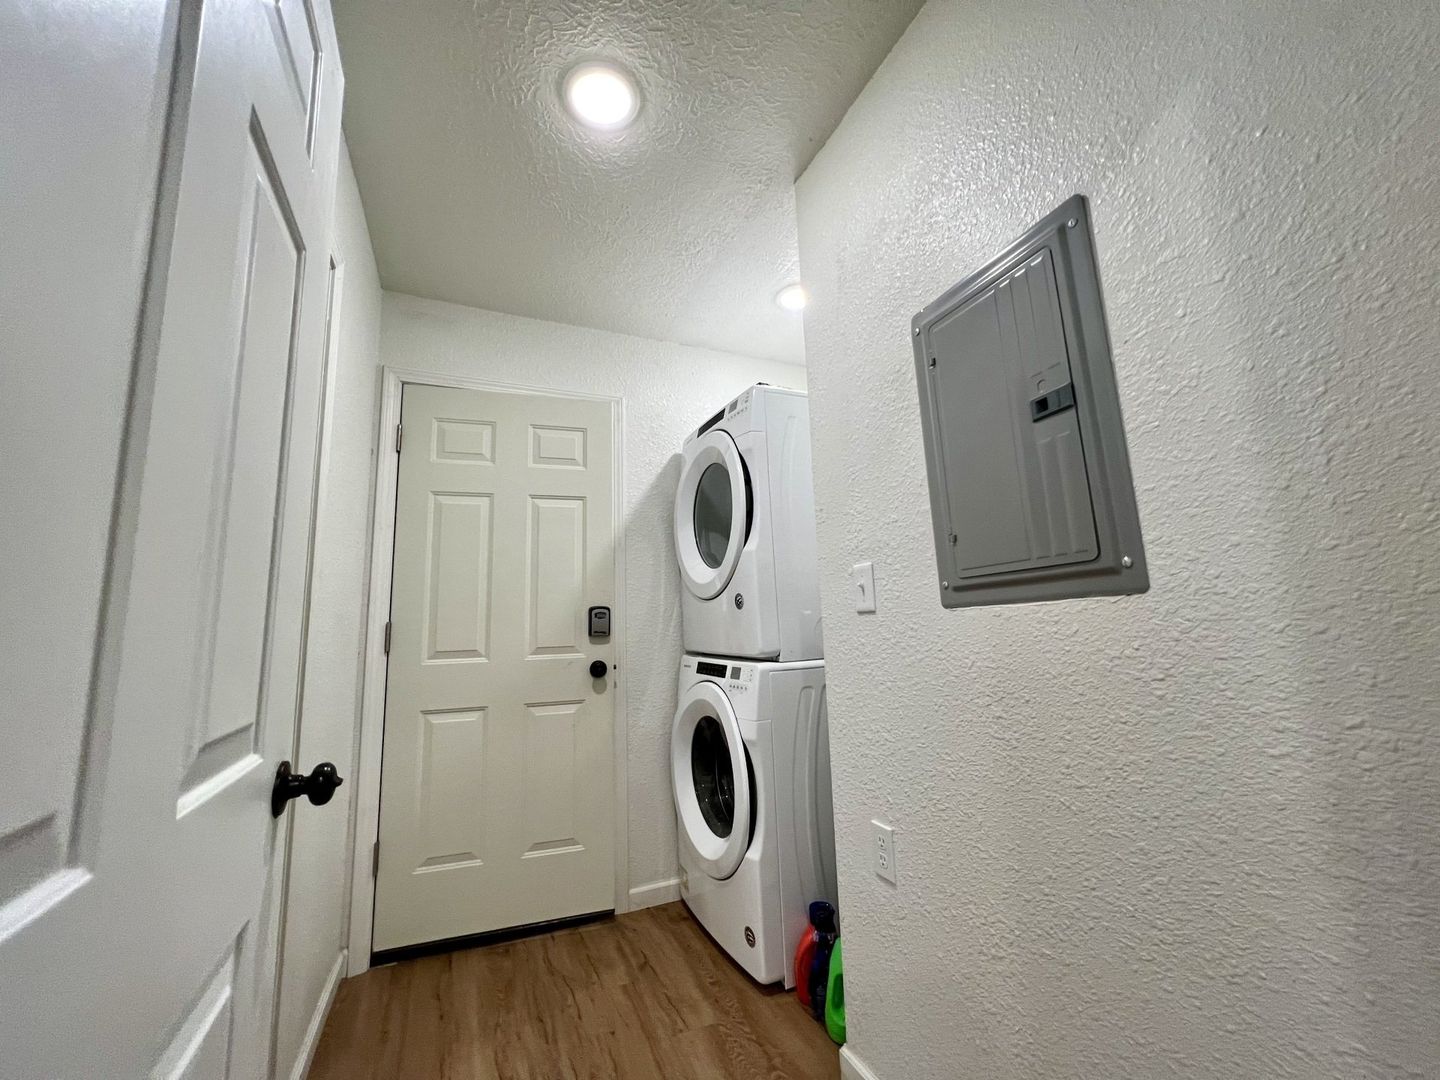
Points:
(646, 996)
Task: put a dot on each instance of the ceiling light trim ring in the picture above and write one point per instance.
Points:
(601, 95)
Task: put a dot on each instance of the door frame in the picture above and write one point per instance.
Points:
(369, 745)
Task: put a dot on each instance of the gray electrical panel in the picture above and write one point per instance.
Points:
(1030, 488)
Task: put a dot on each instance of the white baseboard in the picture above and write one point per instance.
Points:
(317, 1021)
(655, 892)
(852, 1068)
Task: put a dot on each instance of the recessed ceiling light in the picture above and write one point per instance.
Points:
(792, 297)
(601, 96)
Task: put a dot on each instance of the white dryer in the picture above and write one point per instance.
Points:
(745, 531)
(750, 764)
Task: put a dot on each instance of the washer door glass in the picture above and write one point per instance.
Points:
(711, 780)
(712, 514)
(713, 776)
(713, 510)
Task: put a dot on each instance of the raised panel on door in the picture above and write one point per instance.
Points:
(555, 576)
(81, 148)
(451, 789)
(557, 447)
(457, 573)
(549, 782)
(199, 1046)
(32, 838)
(463, 442)
(298, 40)
(246, 451)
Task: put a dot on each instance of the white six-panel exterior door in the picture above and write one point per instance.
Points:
(137, 931)
(496, 806)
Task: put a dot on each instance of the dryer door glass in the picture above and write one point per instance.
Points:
(713, 510)
(713, 776)
(712, 513)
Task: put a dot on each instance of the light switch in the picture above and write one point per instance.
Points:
(862, 583)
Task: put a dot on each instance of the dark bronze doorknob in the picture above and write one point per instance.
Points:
(319, 787)
(598, 668)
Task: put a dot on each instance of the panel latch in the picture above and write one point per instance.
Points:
(1057, 400)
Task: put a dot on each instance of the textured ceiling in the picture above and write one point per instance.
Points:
(480, 189)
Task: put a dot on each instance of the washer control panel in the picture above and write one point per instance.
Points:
(742, 679)
(738, 679)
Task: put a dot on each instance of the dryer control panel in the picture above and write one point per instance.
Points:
(740, 406)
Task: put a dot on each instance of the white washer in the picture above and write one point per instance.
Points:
(745, 531)
(750, 766)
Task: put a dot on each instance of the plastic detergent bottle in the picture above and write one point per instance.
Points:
(835, 997)
(804, 955)
(822, 918)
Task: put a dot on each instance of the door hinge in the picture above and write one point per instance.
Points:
(399, 436)
(375, 859)
(387, 638)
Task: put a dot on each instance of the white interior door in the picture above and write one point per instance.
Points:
(498, 774)
(136, 841)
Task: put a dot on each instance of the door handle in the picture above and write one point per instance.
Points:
(598, 668)
(318, 787)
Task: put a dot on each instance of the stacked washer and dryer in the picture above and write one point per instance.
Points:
(750, 756)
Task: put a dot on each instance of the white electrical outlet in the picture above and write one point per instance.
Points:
(862, 584)
(884, 851)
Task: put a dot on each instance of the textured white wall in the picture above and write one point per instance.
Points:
(319, 883)
(1192, 833)
(668, 390)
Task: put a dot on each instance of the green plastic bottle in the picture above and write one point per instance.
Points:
(835, 997)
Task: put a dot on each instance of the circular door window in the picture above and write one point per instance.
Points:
(713, 776)
(712, 514)
(710, 776)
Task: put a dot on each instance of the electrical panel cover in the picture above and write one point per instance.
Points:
(1030, 487)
